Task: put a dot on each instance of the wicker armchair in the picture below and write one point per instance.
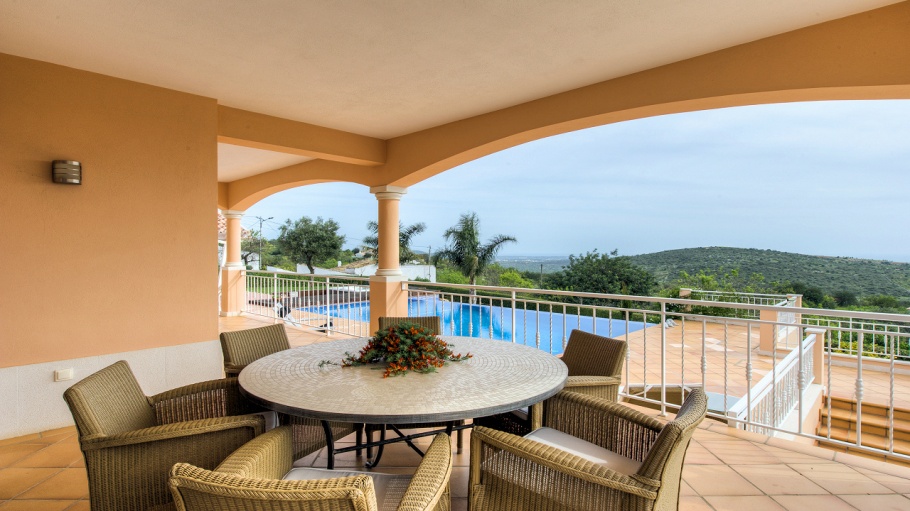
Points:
(259, 475)
(130, 441)
(242, 347)
(431, 323)
(615, 458)
(245, 346)
(595, 368)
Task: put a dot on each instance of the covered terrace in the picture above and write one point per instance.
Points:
(175, 109)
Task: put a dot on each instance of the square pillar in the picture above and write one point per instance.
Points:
(233, 275)
(388, 297)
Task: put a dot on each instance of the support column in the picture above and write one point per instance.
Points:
(233, 281)
(388, 288)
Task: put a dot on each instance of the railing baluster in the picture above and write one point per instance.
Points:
(859, 390)
(663, 358)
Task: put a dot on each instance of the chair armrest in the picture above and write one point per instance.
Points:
(610, 425)
(175, 430)
(232, 371)
(204, 400)
(592, 381)
(268, 456)
(223, 491)
(431, 481)
(498, 453)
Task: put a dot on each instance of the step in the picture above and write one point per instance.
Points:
(847, 419)
(874, 441)
(868, 408)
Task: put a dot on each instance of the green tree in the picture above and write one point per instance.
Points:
(251, 246)
(405, 236)
(464, 249)
(306, 241)
(511, 278)
(845, 298)
(604, 273)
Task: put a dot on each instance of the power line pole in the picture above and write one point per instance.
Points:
(261, 220)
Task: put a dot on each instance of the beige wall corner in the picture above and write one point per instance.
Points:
(126, 261)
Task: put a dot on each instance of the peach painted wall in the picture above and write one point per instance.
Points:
(126, 261)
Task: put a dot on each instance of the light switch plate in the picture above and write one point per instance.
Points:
(63, 374)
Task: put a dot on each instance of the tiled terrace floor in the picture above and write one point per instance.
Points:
(725, 469)
(45, 472)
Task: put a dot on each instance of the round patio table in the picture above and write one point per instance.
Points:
(500, 376)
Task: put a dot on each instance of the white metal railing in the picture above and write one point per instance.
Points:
(778, 393)
(674, 344)
(720, 353)
(744, 298)
(878, 336)
(328, 304)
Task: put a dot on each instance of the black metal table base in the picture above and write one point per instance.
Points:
(332, 451)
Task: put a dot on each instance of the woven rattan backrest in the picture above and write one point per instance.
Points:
(109, 401)
(245, 346)
(197, 489)
(594, 355)
(429, 322)
(665, 458)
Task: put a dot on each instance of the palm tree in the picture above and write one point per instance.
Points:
(405, 236)
(464, 250)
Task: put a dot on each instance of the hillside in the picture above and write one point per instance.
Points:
(861, 276)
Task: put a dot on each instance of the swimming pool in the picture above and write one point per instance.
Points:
(469, 320)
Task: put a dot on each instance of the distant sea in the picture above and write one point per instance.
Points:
(533, 263)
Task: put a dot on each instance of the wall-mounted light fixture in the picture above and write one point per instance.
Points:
(67, 172)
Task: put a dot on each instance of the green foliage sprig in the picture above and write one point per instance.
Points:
(405, 347)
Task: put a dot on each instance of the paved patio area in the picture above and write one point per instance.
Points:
(725, 468)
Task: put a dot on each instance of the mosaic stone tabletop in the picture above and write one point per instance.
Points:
(500, 376)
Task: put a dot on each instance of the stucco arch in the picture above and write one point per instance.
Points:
(863, 56)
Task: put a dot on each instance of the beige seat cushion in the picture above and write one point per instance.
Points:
(389, 488)
(586, 450)
(271, 419)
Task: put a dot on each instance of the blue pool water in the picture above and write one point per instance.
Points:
(475, 320)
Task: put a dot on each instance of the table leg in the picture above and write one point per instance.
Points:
(375, 461)
(329, 445)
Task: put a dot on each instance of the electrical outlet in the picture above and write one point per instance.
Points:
(63, 374)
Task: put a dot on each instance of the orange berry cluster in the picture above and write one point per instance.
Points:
(405, 347)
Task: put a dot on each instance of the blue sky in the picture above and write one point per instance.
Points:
(823, 178)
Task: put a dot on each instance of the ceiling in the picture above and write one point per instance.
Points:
(385, 68)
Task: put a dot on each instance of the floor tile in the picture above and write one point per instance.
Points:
(10, 454)
(14, 481)
(82, 505)
(839, 479)
(36, 505)
(19, 439)
(878, 502)
(459, 504)
(689, 503)
(894, 483)
(69, 483)
(812, 503)
(741, 503)
(739, 453)
(459, 482)
(685, 489)
(779, 480)
(717, 480)
(57, 455)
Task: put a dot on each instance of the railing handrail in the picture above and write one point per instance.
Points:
(740, 293)
(881, 316)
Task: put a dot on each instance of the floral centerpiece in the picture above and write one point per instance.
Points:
(405, 347)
